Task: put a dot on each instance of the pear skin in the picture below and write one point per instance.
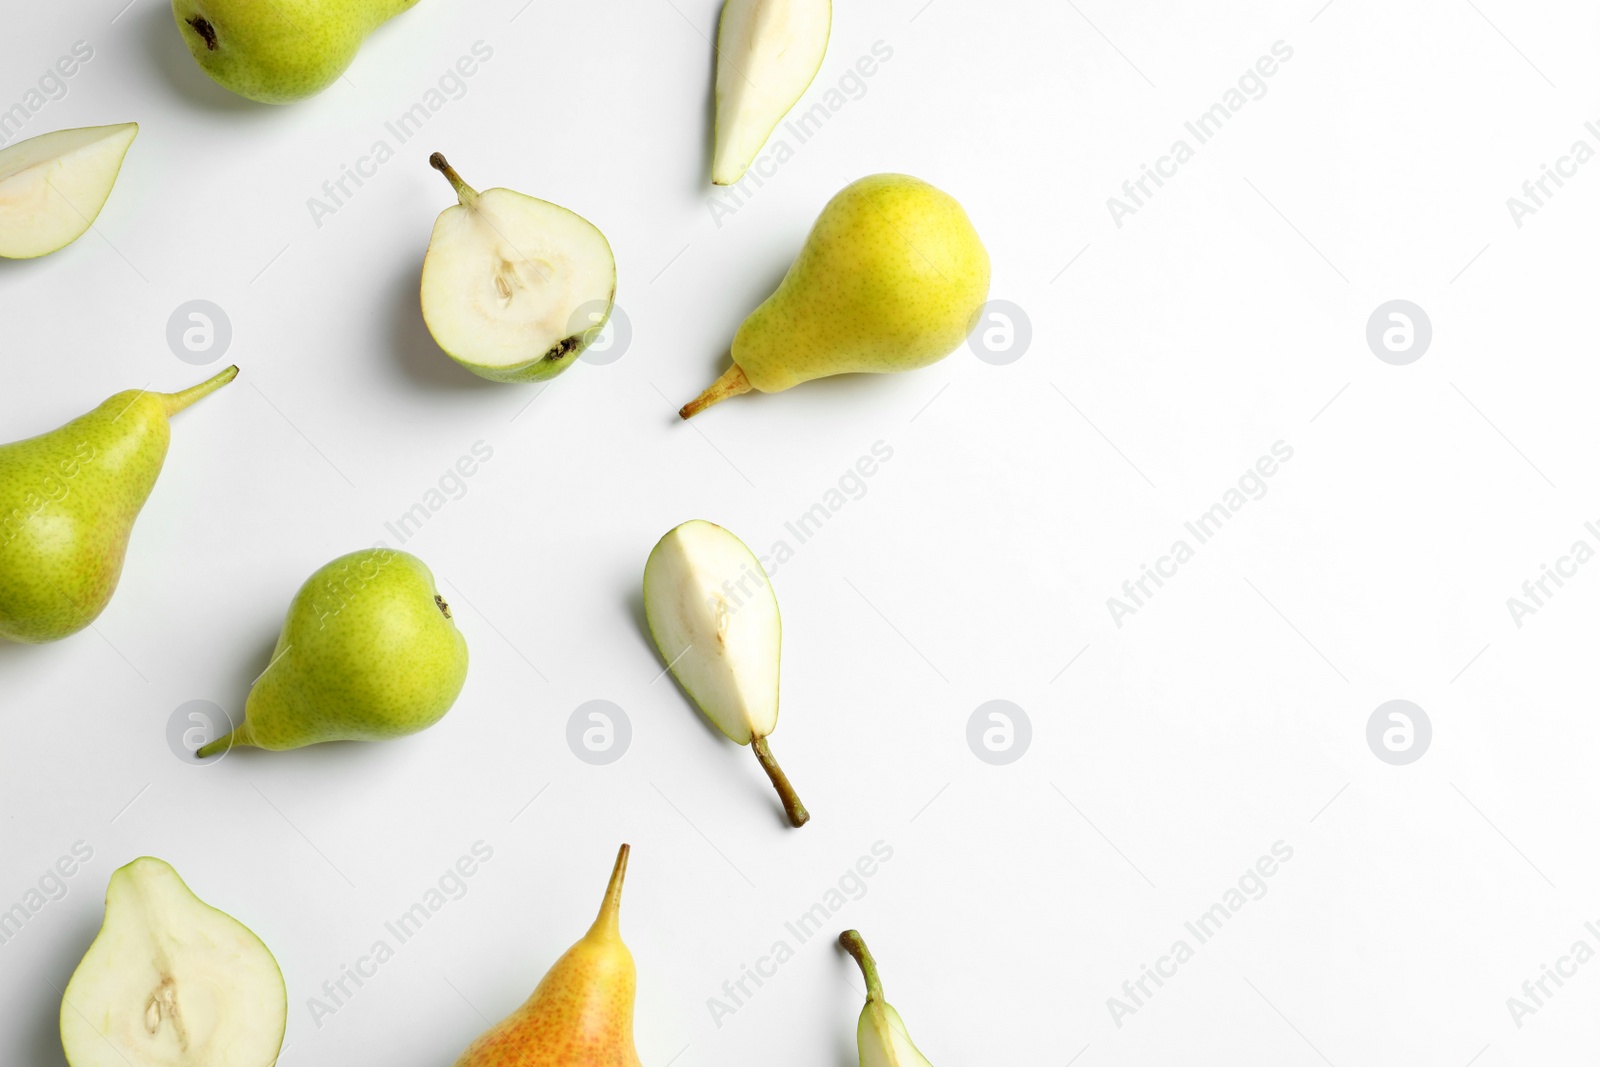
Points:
(279, 51)
(68, 501)
(581, 1015)
(892, 277)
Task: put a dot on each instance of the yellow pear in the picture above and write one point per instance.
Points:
(893, 277)
(582, 1013)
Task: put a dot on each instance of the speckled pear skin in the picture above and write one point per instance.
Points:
(369, 652)
(581, 1015)
(892, 277)
(68, 501)
(279, 51)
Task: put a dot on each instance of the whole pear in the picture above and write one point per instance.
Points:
(369, 652)
(892, 277)
(68, 501)
(881, 1038)
(279, 51)
(581, 1014)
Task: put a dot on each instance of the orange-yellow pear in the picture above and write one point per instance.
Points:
(582, 1013)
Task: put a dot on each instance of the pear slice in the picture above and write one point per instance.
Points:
(53, 186)
(171, 982)
(768, 53)
(714, 618)
(881, 1037)
(514, 288)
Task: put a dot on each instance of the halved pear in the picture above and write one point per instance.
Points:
(53, 186)
(171, 982)
(514, 288)
(881, 1037)
(714, 618)
(768, 53)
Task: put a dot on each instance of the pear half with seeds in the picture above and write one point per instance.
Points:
(172, 982)
(514, 288)
(53, 186)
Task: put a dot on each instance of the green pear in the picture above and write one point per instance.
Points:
(171, 982)
(768, 52)
(369, 652)
(514, 288)
(279, 51)
(53, 186)
(881, 1037)
(68, 500)
(893, 277)
(714, 618)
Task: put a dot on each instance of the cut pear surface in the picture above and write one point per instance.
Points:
(768, 52)
(881, 1037)
(514, 288)
(171, 982)
(714, 618)
(53, 186)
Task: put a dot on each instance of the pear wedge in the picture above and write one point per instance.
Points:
(714, 619)
(171, 982)
(53, 186)
(881, 1037)
(768, 53)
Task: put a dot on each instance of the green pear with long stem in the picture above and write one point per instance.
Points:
(53, 186)
(279, 51)
(881, 1037)
(893, 276)
(369, 652)
(714, 618)
(581, 1014)
(171, 982)
(68, 501)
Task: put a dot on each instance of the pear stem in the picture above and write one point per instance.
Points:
(853, 944)
(611, 908)
(224, 743)
(466, 193)
(732, 383)
(798, 815)
(176, 402)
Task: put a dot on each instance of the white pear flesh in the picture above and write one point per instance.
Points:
(53, 186)
(515, 288)
(882, 1041)
(768, 53)
(172, 982)
(715, 619)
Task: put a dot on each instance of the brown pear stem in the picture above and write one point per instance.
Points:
(853, 944)
(466, 193)
(608, 921)
(176, 402)
(732, 383)
(798, 815)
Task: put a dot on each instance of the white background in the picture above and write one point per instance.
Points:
(1229, 713)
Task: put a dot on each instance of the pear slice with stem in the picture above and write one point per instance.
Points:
(171, 982)
(514, 288)
(768, 53)
(53, 186)
(714, 618)
(881, 1037)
